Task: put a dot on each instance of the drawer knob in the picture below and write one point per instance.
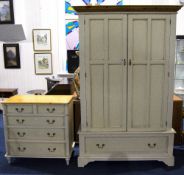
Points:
(51, 134)
(153, 145)
(21, 149)
(51, 110)
(19, 110)
(51, 149)
(20, 121)
(21, 134)
(100, 146)
(50, 121)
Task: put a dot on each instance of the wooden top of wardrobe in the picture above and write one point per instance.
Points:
(39, 99)
(128, 8)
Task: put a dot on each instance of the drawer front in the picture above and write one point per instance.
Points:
(36, 134)
(36, 121)
(126, 144)
(51, 109)
(36, 149)
(19, 109)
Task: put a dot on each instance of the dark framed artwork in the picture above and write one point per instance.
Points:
(11, 56)
(6, 12)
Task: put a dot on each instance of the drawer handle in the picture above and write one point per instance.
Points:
(152, 145)
(21, 134)
(20, 121)
(50, 121)
(21, 149)
(51, 110)
(51, 149)
(100, 146)
(51, 134)
(19, 110)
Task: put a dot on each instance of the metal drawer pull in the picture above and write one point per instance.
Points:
(100, 146)
(20, 121)
(50, 121)
(51, 110)
(51, 134)
(19, 110)
(152, 145)
(21, 134)
(21, 149)
(51, 149)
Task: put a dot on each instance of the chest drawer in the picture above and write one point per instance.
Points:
(126, 144)
(36, 149)
(36, 121)
(36, 134)
(19, 109)
(51, 109)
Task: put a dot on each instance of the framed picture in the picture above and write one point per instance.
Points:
(43, 63)
(11, 56)
(6, 12)
(42, 39)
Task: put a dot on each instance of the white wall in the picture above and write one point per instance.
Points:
(33, 14)
(48, 14)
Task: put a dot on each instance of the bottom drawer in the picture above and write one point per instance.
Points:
(126, 144)
(36, 149)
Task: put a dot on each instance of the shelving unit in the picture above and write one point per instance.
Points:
(179, 74)
(179, 66)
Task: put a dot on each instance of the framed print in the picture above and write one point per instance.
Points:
(11, 56)
(6, 12)
(43, 63)
(42, 39)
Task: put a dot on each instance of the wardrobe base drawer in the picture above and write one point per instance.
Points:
(27, 149)
(128, 146)
(121, 145)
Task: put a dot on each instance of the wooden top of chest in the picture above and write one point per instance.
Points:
(129, 8)
(39, 99)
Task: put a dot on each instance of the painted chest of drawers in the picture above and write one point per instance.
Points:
(39, 126)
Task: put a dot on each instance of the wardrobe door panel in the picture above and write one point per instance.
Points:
(148, 54)
(116, 107)
(106, 72)
(97, 39)
(97, 96)
(156, 99)
(115, 39)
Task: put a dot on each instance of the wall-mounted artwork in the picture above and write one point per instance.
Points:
(11, 56)
(69, 11)
(72, 24)
(43, 63)
(6, 12)
(72, 34)
(109, 2)
(42, 39)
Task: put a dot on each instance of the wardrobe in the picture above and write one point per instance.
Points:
(127, 68)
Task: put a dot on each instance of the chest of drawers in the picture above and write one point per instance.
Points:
(39, 126)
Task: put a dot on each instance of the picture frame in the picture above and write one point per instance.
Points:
(6, 12)
(11, 56)
(41, 39)
(43, 63)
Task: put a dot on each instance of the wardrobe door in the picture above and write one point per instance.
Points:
(148, 55)
(105, 59)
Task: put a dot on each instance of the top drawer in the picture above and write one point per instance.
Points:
(51, 109)
(19, 109)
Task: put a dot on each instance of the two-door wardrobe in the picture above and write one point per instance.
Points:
(127, 69)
